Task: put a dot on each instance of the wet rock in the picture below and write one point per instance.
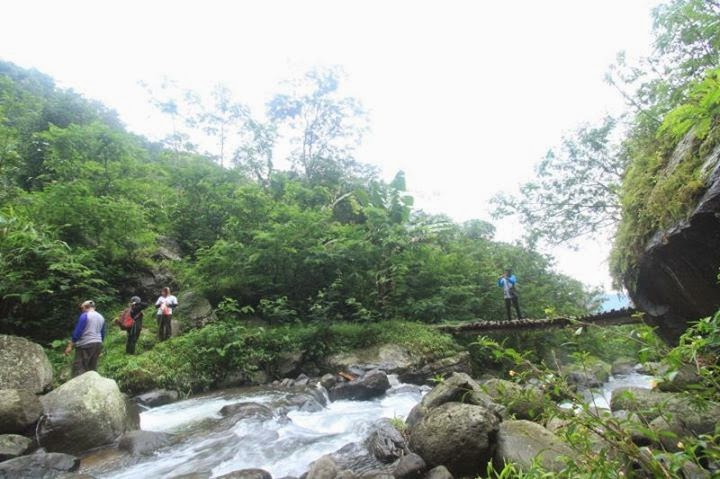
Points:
(247, 474)
(194, 309)
(591, 375)
(193, 475)
(311, 405)
(19, 410)
(460, 363)
(622, 366)
(288, 363)
(410, 466)
(680, 415)
(24, 365)
(392, 358)
(385, 442)
(235, 379)
(157, 397)
(523, 402)
(439, 472)
(40, 465)
(653, 368)
(328, 381)
(522, 442)
(287, 383)
(458, 436)
(302, 380)
(459, 387)
(244, 410)
(143, 443)
(679, 380)
(86, 412)
(323, 468)
(13, 445)
(633, 424)
(356, 458)
(373, 384)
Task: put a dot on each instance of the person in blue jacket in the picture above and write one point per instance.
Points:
(87, 338)
(507, 282)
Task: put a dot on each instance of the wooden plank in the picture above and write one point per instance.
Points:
(609, 318)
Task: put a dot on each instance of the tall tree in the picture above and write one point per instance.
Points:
(325, 127)
(220, 118)
(576, 190)
(254, 156)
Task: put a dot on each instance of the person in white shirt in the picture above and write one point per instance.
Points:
(165, 305)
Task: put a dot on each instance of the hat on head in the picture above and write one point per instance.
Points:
(135, 300)
(88, 304)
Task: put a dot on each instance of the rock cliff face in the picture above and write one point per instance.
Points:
(676, 278)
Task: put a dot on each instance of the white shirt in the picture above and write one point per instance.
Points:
(169, 300)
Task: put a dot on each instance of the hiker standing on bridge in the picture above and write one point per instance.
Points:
(507, 282)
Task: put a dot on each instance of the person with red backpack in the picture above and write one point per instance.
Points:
(131, 320)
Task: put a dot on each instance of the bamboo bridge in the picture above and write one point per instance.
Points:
(607, 318)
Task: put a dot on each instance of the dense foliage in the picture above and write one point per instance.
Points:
(85, 205)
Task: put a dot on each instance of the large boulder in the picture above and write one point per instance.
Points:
(40, 465)
(680, 379)
(680, 414)
(459, 387)
(24, 365)
(522, 442)
(385, 442)
(288, 363)
(410, 466)
(194, 310)
(458, 436)
(13, 445)
(523, 402)
(19, 410)
(590, 374)
(86, 412)
(323, 468)
(459, 363)
(674, 278)
(392, 358)
(371, 385)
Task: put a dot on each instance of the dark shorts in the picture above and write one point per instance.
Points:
(86, 358)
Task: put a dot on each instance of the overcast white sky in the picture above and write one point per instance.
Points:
(465, 96)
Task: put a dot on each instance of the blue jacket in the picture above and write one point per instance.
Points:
(512, 280)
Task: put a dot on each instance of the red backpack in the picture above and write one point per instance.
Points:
(126, 321)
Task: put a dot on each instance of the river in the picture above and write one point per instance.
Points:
(283, 445)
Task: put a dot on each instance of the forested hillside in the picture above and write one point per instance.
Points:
(85, 204)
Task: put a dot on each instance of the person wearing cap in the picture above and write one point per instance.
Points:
(87, 338)
(136, 312)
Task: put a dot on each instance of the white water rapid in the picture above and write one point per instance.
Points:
(284, 445)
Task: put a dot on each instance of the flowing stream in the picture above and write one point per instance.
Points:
(284, 445)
